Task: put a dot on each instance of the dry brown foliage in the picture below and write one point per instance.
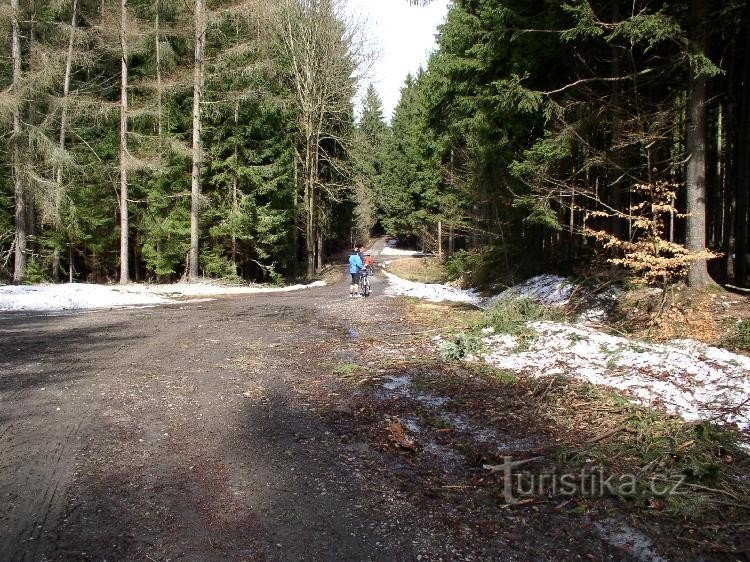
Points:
(654, 259)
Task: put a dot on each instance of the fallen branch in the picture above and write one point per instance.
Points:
(608, 433)
(706, 489)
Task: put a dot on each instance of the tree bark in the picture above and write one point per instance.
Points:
(310, 196)
(19, 265)
(742, 177)
(319, 249)
(31, 119)
(235, 194)
(124, 219)
(198, 79)
(56, 270)
(696, 146)
(440, 240)
(157, 46)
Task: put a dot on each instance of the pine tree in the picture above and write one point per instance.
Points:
(370, 139)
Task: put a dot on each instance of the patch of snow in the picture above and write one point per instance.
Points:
(551, 290)
(685, 377)
(204, 289)
(84, 296)
(71, 297)
(391, 251)
(431, 291)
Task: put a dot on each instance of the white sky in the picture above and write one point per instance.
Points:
(401, 37)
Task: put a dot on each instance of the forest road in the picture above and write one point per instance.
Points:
(243, 429)
(191, 431)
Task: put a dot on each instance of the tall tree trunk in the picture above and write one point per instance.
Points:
(124, 226)
(440, 240)
(198, 78)
(742, 177)
(31, 119)
(235, 194)
(157, 46)
(730, 162)
(696, 147)
(19, 266)
(319, 250)
(616, 191)
(310, 211)
(56, 270)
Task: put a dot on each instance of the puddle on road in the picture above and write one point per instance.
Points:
(400, 386)
(412, 424)
(445, 454)
(397, 382)
(430, 400)
(623, 536)
(346, 356)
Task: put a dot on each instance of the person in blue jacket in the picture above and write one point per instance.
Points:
(355, 266)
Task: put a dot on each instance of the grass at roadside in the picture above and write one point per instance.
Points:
(674, 478)
(420, 270)
(689, 470)
(599, 427)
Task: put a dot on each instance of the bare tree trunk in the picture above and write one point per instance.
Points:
(440, 240)
(31, 119)
(19, 266)
(157, 45)
(319, 252)
(124, 226)
(310, 240)
(235, 198)
(56, 271)
(198, 78)
(615, 193)
(696, 147)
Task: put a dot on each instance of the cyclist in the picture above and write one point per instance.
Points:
(369, 262)
(355, 267)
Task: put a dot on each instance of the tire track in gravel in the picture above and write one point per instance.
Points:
(44, 414)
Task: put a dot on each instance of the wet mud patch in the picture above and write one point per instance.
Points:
(412, 428)
(439, 428)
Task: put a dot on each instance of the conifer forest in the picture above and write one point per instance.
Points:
(162, 140)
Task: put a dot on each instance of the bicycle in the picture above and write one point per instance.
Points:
(364, 282)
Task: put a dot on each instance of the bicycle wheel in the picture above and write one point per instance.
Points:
(366, 283)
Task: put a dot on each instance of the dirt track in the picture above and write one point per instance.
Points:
(219, 430)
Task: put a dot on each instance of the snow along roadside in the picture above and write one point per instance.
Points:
(82, 296)
(684, 377)
(431, 291)
(551, 290)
